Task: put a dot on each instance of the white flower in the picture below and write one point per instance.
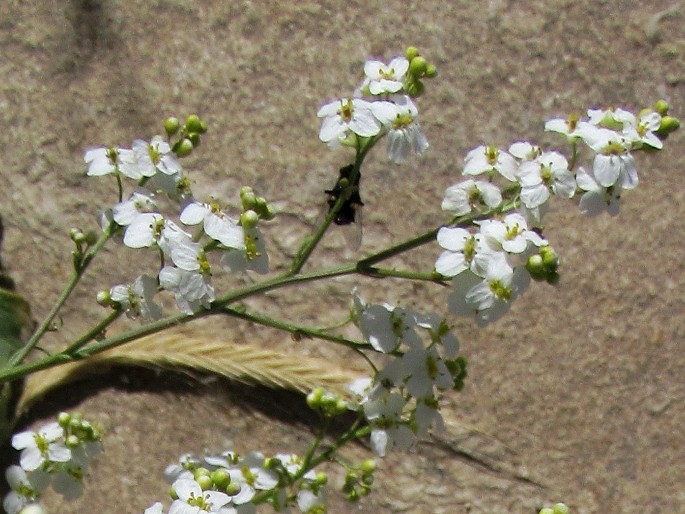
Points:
(547, 173)
(510, 235)
(144, 230)
(384, 410)
(252, 257)
(26, 488)
(69, 482)
(216, 224)
(566, 127)
(44, 445)
(308, 502)
(490, 160)
(462, 198)
(425, 369)
(193, 500)
(525, 151)
(384, 326)
(427, 415)
(461, 247)
(125, 212)
(382, 79)
(251, 476)
(344, 116)
(155, 156)
(192, 290)
(102, 161)
(136, 299)
(647, 125)
(613, 163)
(489, 298)
(597, 199)
(404, 133)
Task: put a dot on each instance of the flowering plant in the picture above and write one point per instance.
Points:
(492, 246)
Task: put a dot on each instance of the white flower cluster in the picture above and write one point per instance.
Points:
(56, 454)
(227, 483)
(491, 262)
(186, 270)
(401, 402)
(382, 105)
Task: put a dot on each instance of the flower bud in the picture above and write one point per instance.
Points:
(247, 198)
(314, 398)
(171, 125)
(249, 219)
(661, 106)
(63, 419)
(205, 482)
(415, 88)
(195, 124)
(72, 441)
(550, 259)
(200, 472)
(431, 71)
(669, 124)
(368, 466)
(546, 510)
(561, 508)
(233, 488)
(536, 267)
(184, 147)
(220, 478)
(321, 478)
(194, 138)
(103, 298)
(418, 66)
(411, 52)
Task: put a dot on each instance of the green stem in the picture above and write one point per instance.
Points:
(94, 332)
(78, 272)
(296, 330)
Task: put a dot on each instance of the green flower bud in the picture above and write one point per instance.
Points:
(248, 199)
(91, 237)
(431, 71)
(195, 124)
(220, 478)
(233, 488)
(73, 233)
(63, 418)
(249, 219)
(205, 482)
(561, 508)
(353, 496)
(546, 510)
(368, 466)
(549, 258)
(367, 480)
(314, 398)
(321, 478)
(103, 298)
(536, 267)
(415, 88)
(200, 472)
(661, 106)
(260, 205)
(194, 138)
(184, 147)
(411, 52)
(418, 66)
(171, 125)
(669, 124)
(72, 441)
(269, 214)
(173, 493)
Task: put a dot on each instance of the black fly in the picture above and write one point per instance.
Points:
(350, 213)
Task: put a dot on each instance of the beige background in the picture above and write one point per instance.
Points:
(580, 388)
